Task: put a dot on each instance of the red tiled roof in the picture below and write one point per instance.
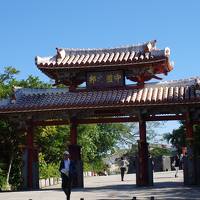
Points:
(84, 58)
(173, 92)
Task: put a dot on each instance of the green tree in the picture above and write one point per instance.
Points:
(99, 140)
(33, 82)
(178, 137)
(10, 137)
(7, 80)
(52, 141)
(160, 151)
(96, 141)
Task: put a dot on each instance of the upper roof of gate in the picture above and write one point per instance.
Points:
(140, 56)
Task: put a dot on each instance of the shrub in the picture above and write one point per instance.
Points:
(2, 179)
(47, 170)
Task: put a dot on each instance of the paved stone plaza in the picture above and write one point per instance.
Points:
(110, 187)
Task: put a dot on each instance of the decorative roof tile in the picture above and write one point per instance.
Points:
(157, 94)
(73, 58)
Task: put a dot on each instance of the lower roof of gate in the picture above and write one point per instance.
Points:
(161, 93)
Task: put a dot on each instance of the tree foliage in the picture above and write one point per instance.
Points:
(10, 136)
(160, 151)
(178, 137)
(52, 141)
(7, 80)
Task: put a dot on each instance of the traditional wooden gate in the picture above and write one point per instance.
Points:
(106, 98)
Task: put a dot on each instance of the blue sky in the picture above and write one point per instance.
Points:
(37, 27)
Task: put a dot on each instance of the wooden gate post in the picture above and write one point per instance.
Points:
(190, 159)
(30, 169)
(30, 156)
(75, 153)
(144, 171)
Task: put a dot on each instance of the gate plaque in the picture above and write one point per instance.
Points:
(105, 79)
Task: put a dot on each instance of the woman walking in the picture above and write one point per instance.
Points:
(123, 165)
(176, 165)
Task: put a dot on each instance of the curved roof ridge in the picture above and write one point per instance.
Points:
(123, 48)
(180, 82)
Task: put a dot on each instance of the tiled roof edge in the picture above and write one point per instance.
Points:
(136, 48)
(181, 82)
(4, 102)
(35, 91)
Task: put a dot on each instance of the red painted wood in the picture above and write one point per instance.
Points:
(73, 132)
(189, 130)
(196, 122)
(143, 163)
(143, 153)
(142, 130)
(30, 156)
(107, 120)
(51, 123)
(189, 126)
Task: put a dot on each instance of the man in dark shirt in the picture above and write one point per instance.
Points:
(67, 169)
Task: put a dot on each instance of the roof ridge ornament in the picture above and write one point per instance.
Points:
(197, 83)
(13, 96)
(167, 51)
(60, 55)
(151, 45)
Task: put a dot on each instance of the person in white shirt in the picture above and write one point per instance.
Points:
(123, 165)
(67, 169)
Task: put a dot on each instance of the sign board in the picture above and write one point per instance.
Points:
(105, 79)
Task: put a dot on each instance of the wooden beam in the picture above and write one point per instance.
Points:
(109, 120)
(51, 123)
(165, 118)
(197, 122)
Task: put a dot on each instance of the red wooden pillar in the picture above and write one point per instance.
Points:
(189, 128)
(75, 153)
(30, 156)
(74, 148)
(189, 132)
(142, 129)
(143, 154)
(73, 131)
(190, 173)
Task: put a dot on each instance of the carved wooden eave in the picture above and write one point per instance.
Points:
(140, 63)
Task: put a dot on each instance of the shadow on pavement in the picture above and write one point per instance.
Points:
(162, 190)
(166, 190)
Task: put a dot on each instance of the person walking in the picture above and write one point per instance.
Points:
(67, 169)
(123, 165)
(176, 165)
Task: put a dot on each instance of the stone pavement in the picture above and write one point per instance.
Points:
(110, 187)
